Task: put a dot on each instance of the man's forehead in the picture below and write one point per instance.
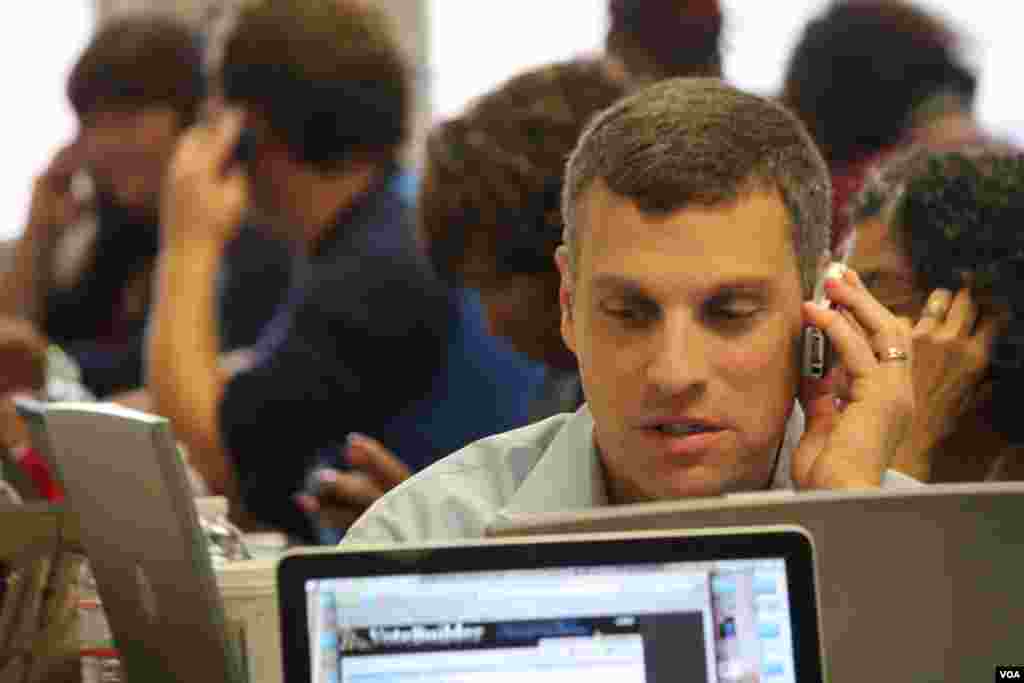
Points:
(748, 237)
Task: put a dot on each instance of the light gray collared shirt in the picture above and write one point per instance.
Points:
(551, 465)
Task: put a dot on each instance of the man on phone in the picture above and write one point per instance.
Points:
(320, 90)
(697, 221)
(81, 268)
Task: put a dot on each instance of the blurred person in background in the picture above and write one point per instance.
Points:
(490, 216)
(82, 269)
(867, 76)
(651, 40)
(317, 95)
(939, 242)
(490, 207)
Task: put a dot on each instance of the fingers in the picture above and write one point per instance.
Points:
(934, 311)
(327, 515)
(963, 313)
(849, 292)
(67, 160)
(351, 489)
(871, 330)
(855, 351)
(962, 327)
(212, 144)
(375, 461)
(226, 132)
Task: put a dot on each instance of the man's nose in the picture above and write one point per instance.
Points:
(679, 360)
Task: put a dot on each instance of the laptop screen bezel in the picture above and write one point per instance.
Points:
(551, 552)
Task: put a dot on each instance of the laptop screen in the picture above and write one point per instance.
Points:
(717, 621)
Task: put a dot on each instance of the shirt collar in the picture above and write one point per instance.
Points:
(355, 217)
(569, 476)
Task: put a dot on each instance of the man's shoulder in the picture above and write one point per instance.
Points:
(458, 496)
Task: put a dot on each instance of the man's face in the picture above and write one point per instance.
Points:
(686, 329)
(128, 152)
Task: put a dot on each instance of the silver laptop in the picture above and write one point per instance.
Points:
(710, 606)
(919, 585)
(126, 484)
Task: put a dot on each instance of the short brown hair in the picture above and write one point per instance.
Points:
(327, 75)
(495, 173)
(137, 61)
(659, 39)
(699, 141)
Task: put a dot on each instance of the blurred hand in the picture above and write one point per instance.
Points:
(951, 347)
(54, 207)
(205, 195)
(852, 446)
(344, 496)
(13, 430)
(22, 356)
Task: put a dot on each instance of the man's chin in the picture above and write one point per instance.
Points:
(694, 487)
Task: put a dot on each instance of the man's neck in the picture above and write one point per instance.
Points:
(321, 198)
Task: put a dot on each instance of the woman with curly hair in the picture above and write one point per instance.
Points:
(948, 224)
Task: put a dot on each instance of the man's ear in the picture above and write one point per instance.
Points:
(823, 262)
(565, 296)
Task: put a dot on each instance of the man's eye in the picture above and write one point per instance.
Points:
(628, 313)
(733, 311)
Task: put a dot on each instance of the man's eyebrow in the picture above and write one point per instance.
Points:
(736, 286)
(743, 285)
(618, 283)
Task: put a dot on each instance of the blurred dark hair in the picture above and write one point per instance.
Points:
(494, 174)
(327, 75)
(658, 39)
(860, 70)
(958, 217)
(138, 61)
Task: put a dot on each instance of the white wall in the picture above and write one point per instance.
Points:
(476, 45)
(760, 35)
(38, 46)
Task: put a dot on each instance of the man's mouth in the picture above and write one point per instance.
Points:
(684, 429)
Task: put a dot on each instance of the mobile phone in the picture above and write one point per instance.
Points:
(818, 355)
(244, 148)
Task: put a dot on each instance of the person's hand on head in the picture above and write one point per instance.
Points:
(951, 348)
(54, 206)
(342, 497)
(205, 194)
(853, 445)
(23, 361)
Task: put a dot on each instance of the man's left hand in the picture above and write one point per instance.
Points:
(205, 194)
(852, 446)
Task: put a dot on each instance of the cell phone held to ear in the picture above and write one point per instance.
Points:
(818, 355)
(244, 148)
